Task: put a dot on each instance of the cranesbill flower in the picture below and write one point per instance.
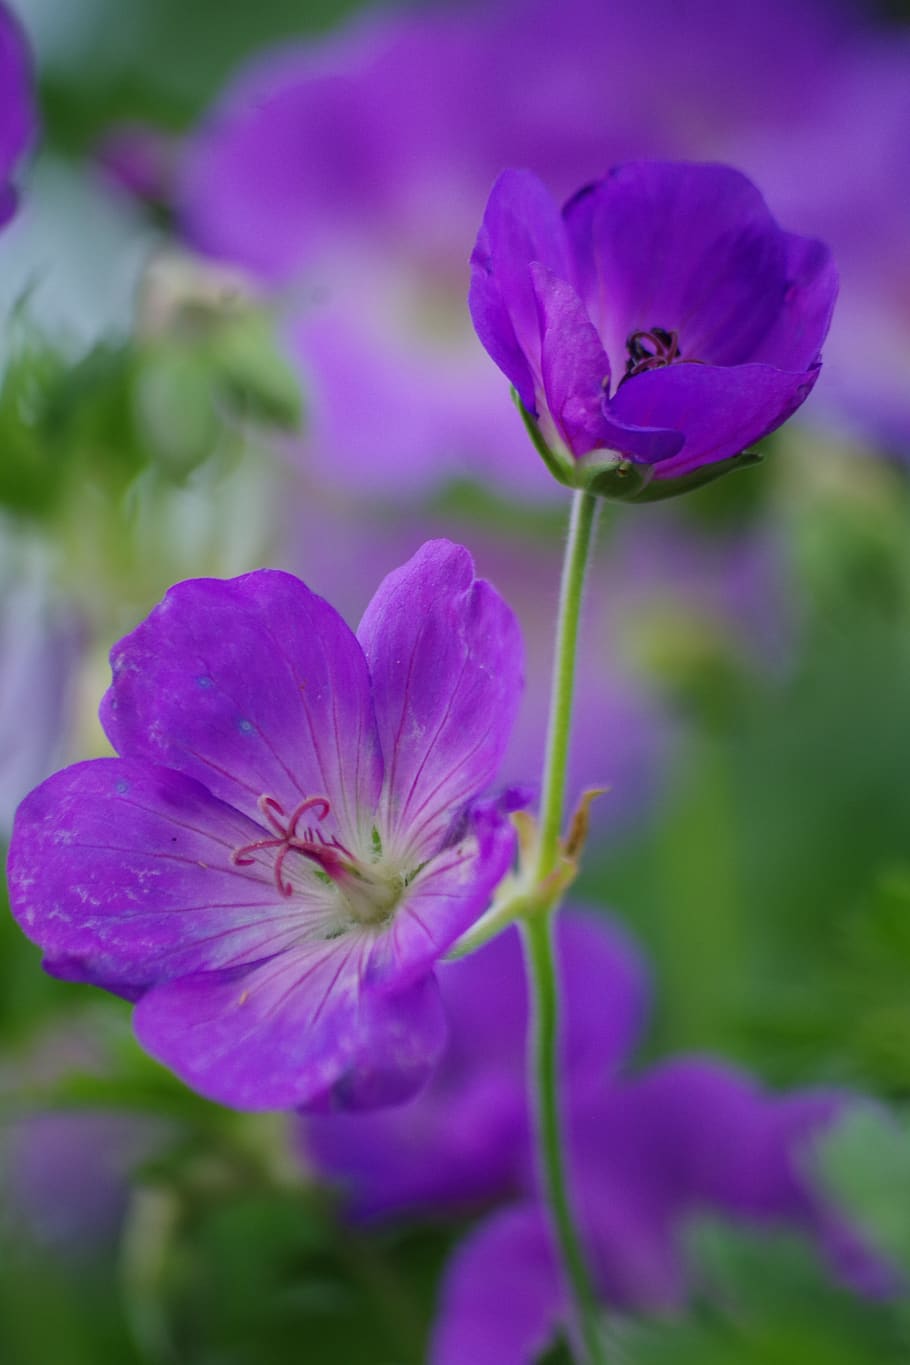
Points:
(18, 119)
(656, 328)
(290, 837)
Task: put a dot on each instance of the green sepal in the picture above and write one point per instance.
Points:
(611, 475)
(562, 467)
(658, 489)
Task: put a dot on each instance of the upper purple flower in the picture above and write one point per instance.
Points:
(290, 838)
(657, 327)
(18, 118)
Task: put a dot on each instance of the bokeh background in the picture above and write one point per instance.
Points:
(234, 334)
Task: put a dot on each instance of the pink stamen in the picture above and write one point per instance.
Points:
(312, 843)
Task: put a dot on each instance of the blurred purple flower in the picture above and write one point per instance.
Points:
(650, 1153)
(18, 116)
(356, 169)
(65, 1173)
(664, 317)
(691, 1138)
(855, 135)
(465, 1139)
(68, 1174)
(290, 839)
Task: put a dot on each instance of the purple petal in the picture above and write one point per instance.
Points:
(794, 341)
(689, 248)
(721, 411)
(521, 224)
(502, 1298)
(18, 117)
(123, 873)
(691, 1137)
(445, 657)
(276, 164)
(576, 379)
(255, 686)
(299, 1031)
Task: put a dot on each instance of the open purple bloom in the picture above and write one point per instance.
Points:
(18, 118)
(656, 328)
(290, 838)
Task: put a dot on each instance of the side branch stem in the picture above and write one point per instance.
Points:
(538, 936)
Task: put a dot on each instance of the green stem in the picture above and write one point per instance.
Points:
(538, 933)
(544, 1080)
(552, 798)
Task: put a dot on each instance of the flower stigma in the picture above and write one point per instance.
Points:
(369, 893)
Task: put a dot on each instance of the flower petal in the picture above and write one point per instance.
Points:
(18, 116)
(721, 410)
(502, 1297)
(122, 873)
(795, 339)
(521, 224)
(299, 1031)
(689, 248)
(576, 379)
(254, 686)
(445, 657)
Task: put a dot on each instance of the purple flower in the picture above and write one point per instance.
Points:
(290, 838)
(649, 1153)
(656, 328)
(691, 1138)
(18, 118)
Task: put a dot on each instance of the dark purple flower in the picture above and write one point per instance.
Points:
(689, 1139)
(656, 328)
(290, 839)
(649, 1153)
(18, 117)
(465, 1138)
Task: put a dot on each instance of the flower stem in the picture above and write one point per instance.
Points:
(538, 934)
(552, 798)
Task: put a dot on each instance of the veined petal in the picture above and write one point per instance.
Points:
(122, 872)
(300, 1031)
(688, 248)
(503, 1298)
(576, 379)
(721, 410)
(445, 657)
(256, 687)
(521, 224)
